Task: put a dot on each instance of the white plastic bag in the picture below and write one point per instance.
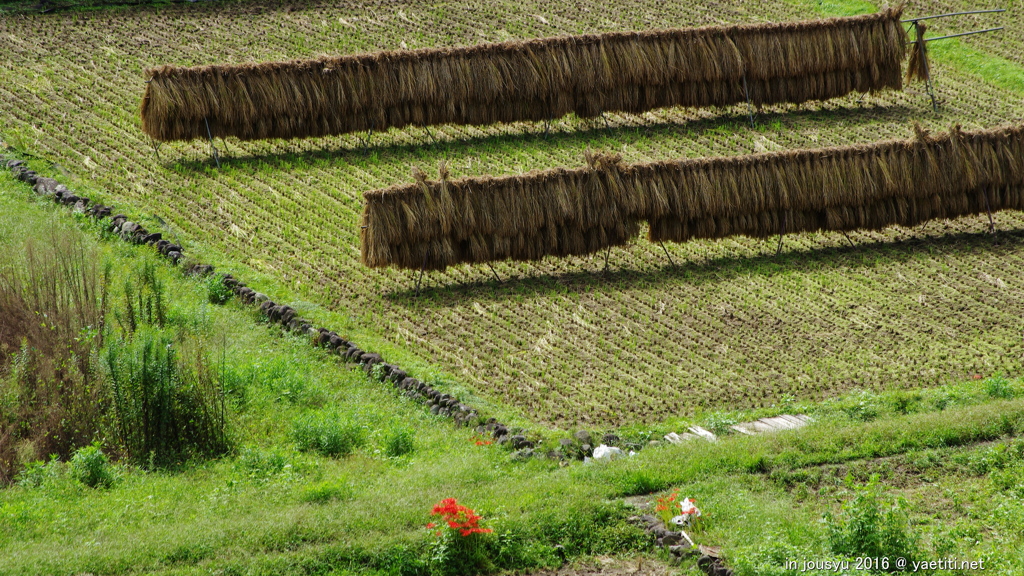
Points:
(607, 453)
(688, 513)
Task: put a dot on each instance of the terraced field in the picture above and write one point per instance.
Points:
(727, 325)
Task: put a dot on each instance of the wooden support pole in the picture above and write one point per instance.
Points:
(422, 269)
(213, 148)
(996, 29)
(496, 277)
(919, 30)
(156, 148)
(988, 208)
(953, 14)
(366, 143)
(750, 107)
(667, 255)
(847, 236)
(783, 232)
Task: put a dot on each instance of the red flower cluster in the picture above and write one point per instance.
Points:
(668, 504)
(480, 441)
(458, 517)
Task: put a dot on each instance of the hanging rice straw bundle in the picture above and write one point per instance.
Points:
(917, 63)
(561, 212)
(530, 80)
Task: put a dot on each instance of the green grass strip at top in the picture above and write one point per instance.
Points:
(994, 69)
(45, 7)
(846, 8)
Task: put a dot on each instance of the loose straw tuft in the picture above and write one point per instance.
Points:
(917, 64)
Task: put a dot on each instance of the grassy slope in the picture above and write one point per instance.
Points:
(217, 517)
(226, 516)
(730, 327)
(966, 502)
(993, 57)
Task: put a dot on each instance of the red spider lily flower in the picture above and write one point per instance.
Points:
(431, 525)
(458, 517)
(480, 441)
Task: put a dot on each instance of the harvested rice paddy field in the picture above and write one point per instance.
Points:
(726, 325)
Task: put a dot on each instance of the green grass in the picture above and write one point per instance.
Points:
(834, 8)
(964, 502)
(271, 509)
(986, 67)
(731, 334)
(955, 52)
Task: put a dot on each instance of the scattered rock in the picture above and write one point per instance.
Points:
(287, 314)
(167, 249)
(671, 539)
(370, 358)
(195, 269)
(519, 441)
(522, 455)
(682, 550)
(583, 436)
(45, 186)
(650, 520)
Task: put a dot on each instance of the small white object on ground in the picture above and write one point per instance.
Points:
(607, 453)
(782, 422)
(673, 438)
(705, 434)
(688, 512)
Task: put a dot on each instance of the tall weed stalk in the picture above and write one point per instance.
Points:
(53, 300)
(168, 403)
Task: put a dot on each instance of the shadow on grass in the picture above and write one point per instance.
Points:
(696, 273)
(434, 146)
